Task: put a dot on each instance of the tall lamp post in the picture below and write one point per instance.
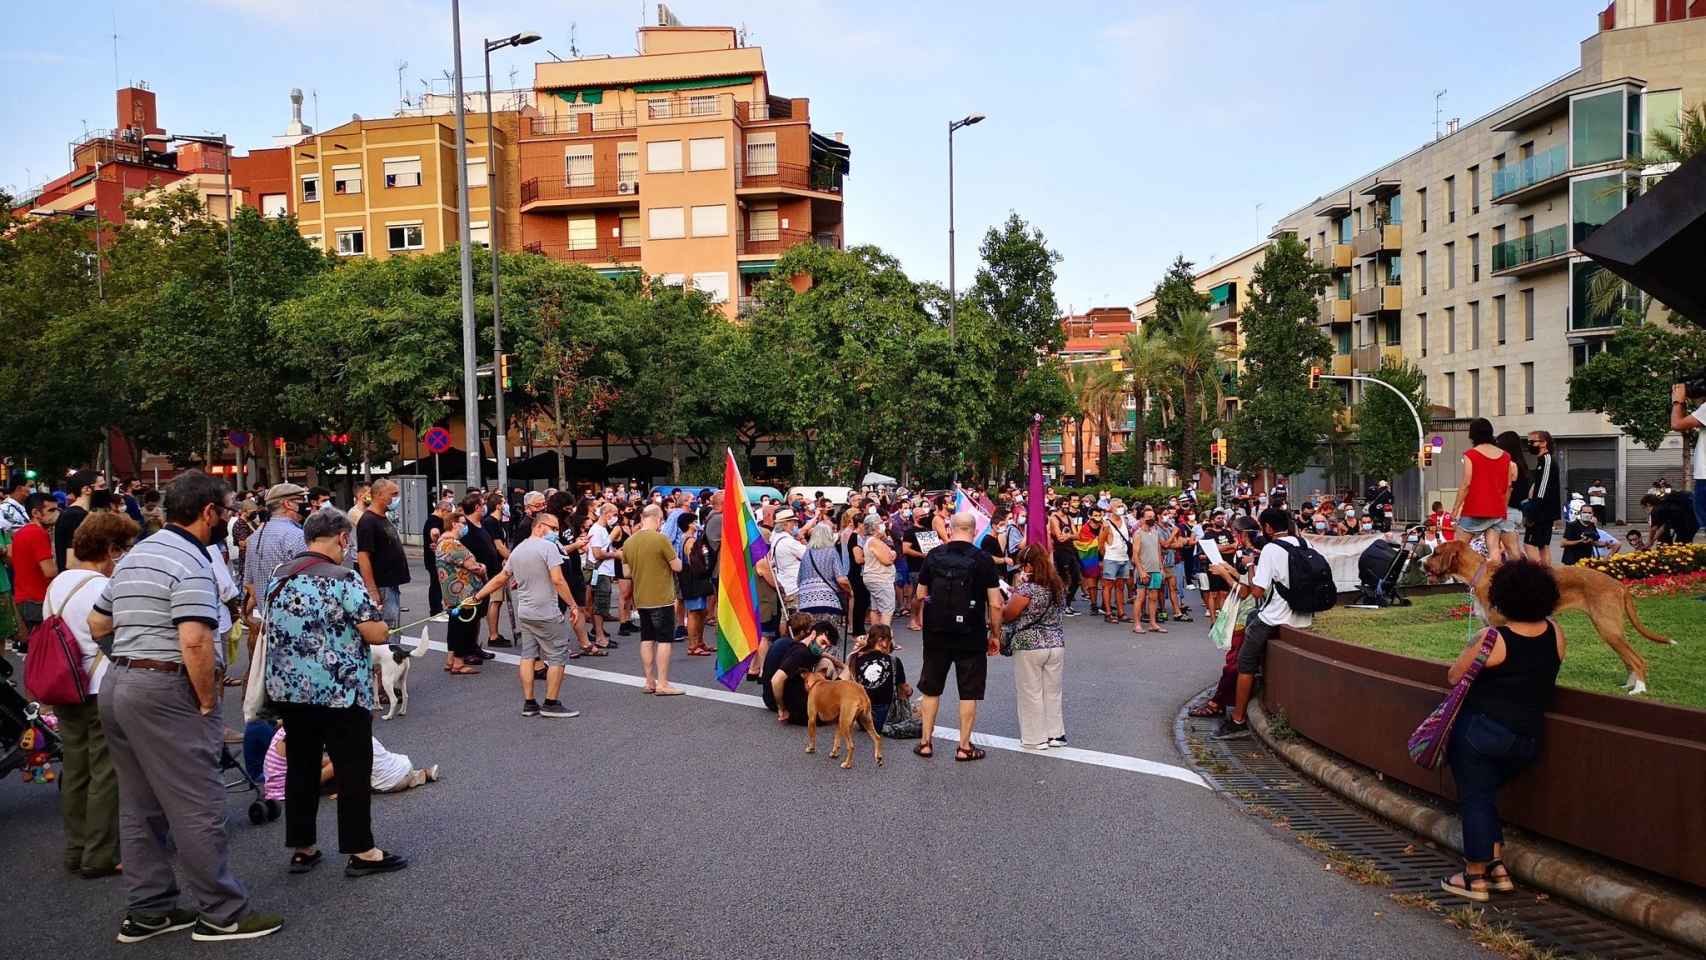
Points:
(502, 447)
(953, 296)
(470, 386)
(92, 212)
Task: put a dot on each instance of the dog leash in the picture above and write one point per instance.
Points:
(438, 617)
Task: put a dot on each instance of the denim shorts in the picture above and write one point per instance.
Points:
(1474, 525)
(1115, 569)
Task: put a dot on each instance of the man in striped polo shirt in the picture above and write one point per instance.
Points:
(159, 705)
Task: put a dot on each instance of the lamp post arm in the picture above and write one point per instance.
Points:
(1421, 435)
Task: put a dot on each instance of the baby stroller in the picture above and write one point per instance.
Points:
(1380, 570)
(18, 717)
(237, 780)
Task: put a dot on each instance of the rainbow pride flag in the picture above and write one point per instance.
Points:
(737, 584)
(1089, 546)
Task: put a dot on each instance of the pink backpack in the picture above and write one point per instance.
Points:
(53, 669)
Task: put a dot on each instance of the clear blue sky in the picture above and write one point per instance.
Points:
(1129, 132)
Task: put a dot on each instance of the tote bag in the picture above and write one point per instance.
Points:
(1427, 744)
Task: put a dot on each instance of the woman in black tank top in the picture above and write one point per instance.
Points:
(1499, 731)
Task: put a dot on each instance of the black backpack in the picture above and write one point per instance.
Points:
(1312, 589)
(956, 604)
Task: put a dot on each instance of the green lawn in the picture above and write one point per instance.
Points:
(1675, 674)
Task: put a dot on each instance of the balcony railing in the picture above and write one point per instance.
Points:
(603, 250)
(1524, 250)
(1334, 256)
(776, 242)
(771, 108)
(566, 123)
(793, 176)
(1378, 299)
(610, 184)
(1381, 238)
(1542, 166)
(1335, 310)
(708, 106)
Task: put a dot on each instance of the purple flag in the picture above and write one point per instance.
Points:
(1036, 514)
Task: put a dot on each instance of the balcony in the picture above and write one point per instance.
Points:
(1532, 178)
(761, 178)
(1378, 299)
(711, 106)
(1334, 310)
(1367, 358)
(1223, 314)
(1531, 254)
(1341, 365)
(774, 243)
(604, 250)
(771, 108)
(605, 188)
(1335, 256)
(1384, 238)
(566, 124)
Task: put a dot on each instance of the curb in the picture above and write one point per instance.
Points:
(1599, 885)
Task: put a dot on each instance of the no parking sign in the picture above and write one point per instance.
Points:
(437, 439)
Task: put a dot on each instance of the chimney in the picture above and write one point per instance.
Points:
(136, 110)
(1451, 126)
(296, 105)
(840, 136)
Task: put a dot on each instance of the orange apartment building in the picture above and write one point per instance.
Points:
(1093, 337)
(680, 162)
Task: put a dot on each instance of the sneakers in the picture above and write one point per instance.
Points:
(530, 708)
(556, 711)
(137, 927)
(1184, 617)
(1161, 615)
(1071, 612)
(1230, 729)
(1056, 742)
(500, 641)
(251, 927)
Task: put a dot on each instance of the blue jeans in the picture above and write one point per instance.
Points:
(1484, 755)
(391, 606)
(1700, 501)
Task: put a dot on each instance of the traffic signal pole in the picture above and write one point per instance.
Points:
(1315, 375)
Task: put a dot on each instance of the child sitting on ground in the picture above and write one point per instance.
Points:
(392, 772)
(880, 672)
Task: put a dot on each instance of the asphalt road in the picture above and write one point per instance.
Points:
(692, 827)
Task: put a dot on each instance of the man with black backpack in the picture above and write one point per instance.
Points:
(958, 607)
(1293, 582)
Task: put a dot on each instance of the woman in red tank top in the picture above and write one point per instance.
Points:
(1483, 496)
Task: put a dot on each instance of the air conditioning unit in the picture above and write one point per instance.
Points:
(627, 187)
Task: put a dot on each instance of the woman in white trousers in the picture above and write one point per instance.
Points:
(1039, 648)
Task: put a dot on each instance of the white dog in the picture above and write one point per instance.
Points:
(391, 666)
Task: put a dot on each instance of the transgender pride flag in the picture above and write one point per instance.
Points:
(964, 503)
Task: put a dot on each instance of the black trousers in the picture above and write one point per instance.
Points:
(346, 735)
(463, 636)
(1071, 574)
(435, 593)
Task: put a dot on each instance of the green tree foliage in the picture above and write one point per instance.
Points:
(1014, 290)
(1143, 356)
(1385, 432)
(1176, 296)
(1191, 356)
(1280, 421)
(1630, 382)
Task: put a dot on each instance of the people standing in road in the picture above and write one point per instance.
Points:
(787, 553)
(1510, 538)
(279, 539)
(959, 610)
(601, 552)
(535, 571)
(1267, 584)
(442, 512)
(33, 566)
(1039, 649)
(823, 578)
(1500, 728)
(695, 585)
(877, 566)
(653, 564)
(1546, 497)
(321, 620)
(1484, 493)
(379, 554)
(1682, 419)
(79, 488)
(159, 707)
(460, 576)
(491, 546)
(1116, 562)
(13, 513)
(1146, 558)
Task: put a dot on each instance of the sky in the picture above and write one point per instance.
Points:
(1128, 132)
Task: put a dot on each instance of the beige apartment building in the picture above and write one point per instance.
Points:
(680, 161)
(1460, 255)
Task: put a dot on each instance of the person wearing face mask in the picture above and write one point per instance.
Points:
(1545, 498)
(1116, 563)
(534, 573)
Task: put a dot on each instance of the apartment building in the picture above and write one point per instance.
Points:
(1460, 256)
(378, 188)
(1093, 337)
(680, 161)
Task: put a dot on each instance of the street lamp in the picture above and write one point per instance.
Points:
(93, 212)
(470, 387)
(953, 125)
(502, 447)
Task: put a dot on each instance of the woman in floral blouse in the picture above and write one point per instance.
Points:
(460, 576)
(1039, 648)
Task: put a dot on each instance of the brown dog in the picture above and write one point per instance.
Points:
(844, 702)
(1602, 597)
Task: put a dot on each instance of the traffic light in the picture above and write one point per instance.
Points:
(1427, 455)
(29, 474)
(503, 370)
(1217, 451)
(1314, 378)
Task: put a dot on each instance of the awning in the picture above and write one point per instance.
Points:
(1220, 293)
(831, 147)
(586, 95)
(701, 83)
(757, 267)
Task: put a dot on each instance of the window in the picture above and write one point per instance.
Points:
(476, 172)
(1593, 201)
(578, 170)
(1422, 209)
(1662, 113)
(1474, 393)
(1422, 270)
(583, 233)
(1582, 352)
(706, 154)
(403, 236)
(630, 231)
(1450, 329)
(1344, 286)
(1596, 128)
(667, 223)
(713, 285)
(403, 172)
(627, 163)
(1499, 317)
(311, 188)
(1474, 258)
(1394, 331)
(673, 279)
(1451, 266)
(1450, 199)
(315, 240)
(1475, 189)
(762, 224)
(663, 156)
(480, 232)
(702, 106)
(1422, 322)
(1344, 336)
(1475, 325)
(1498, 391)
(346, 180)
(1451, 392)
(1343, 226)
(1528, 388)
(1395, 209)
(1583, 315)
(1528, 314)
(274, 205)
(351, 243)
(711, 221)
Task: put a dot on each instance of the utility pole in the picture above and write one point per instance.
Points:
(470, 384)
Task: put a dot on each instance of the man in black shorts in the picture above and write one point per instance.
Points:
(959, 609)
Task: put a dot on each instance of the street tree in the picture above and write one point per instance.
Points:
(1386, 439)
(1143, 356)
(1280, 421)
(1014, 288)
(1176, 296)
(1192, 356)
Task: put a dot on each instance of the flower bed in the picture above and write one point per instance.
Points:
(1665, 561)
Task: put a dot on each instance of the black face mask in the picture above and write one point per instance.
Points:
(1533, 447)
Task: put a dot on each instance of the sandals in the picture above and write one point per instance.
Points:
(1209, 709)
(462, 671)
(592, 652)
(924, 748)
(1499, 884)
(968, 754)
(1470, 886)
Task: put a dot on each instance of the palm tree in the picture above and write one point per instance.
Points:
(1107, 392)
(1081, 382)
(1192, 353)
(1144, 368)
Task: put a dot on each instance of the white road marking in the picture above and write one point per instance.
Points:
(949, 735)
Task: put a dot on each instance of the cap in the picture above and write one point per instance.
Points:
(280, 492)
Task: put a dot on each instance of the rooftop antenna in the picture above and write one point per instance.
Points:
(316, 94)
(741, 36)
(114, 11)
(574, 51)
(1258, 219)
(402, 99)
(1438, 96)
